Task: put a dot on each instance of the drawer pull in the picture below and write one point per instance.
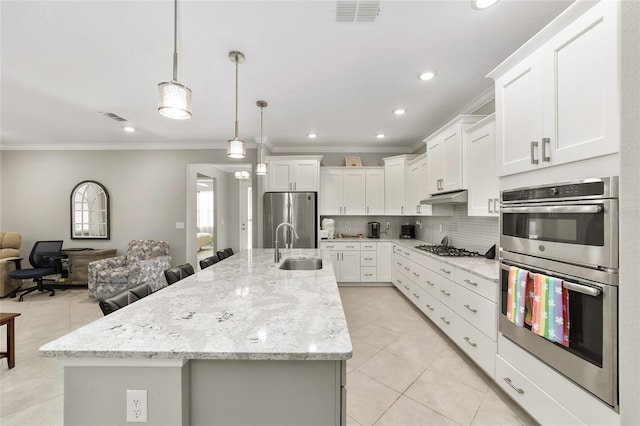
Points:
(351, 246)
(444, 320)
(407, 269)
(470, 282)
(471, 309)
(445, 271)
(429, 307)
(466, 339)
(368, 258)
(416, 296)
(398, 263)
(430, 283)
(368, 275)
(398, 281)
(445, 293)
(417, 275)
(508, 380)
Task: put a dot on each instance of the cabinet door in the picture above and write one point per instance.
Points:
(335, 262)
(374, 191)
(424, 209)
(280, 176)
(353, 192)
(519, 117)
(383, 262)
(483, 181)
(331, 192)
(394, 187)
(350, 266)
(305, 175)
(452, 160)
(580, 71)
(412, 189)
(435, 168)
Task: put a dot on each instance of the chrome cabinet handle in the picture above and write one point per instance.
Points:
(398, 281)
(401, 209)
(429, 307)
(534, 145)
(489, 205)
(444, 320)
(508, 380)
(405, 287)
(496, 205)
(368, 275)
(445, 293)
(398, 263)
(475, 311)
(295, 186)
(367, 209)
(546, 141)
(351, 246)
(368, 258)
(416, 296)
(418, 209)
(466, 339)
(430, 283)
(445, 271)
(417, 275)
(468, 281)
(407, 269)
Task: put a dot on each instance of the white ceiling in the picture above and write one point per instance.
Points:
(64, 61)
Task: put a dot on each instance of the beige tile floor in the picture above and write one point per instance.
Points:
(404, 372)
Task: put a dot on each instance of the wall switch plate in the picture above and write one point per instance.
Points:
(346, 224)
(179, 225)
(440, 227)
(388, 225)
(136, 406)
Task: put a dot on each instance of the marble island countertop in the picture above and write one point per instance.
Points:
(243, 308)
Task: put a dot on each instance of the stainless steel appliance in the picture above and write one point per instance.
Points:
(407, 231)
(568, 231)
(373, 230)
(297, 208)
(447, 251)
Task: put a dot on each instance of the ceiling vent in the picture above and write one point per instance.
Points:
(113, 116)
(357, 11)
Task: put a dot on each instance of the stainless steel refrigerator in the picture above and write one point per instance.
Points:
(297, 208)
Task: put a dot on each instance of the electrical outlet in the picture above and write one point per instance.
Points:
(346, 224)
(440, 227)
(136, 406)
(388, 225)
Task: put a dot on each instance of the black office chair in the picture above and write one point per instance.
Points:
(173, 275)
(223, 254)
(209, 261)
(45, 258)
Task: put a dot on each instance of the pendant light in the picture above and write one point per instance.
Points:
(174, 99)
(242, 175)
(261, 166)
(236, 148)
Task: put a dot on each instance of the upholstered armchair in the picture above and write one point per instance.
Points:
(10, 243)
(145, 262)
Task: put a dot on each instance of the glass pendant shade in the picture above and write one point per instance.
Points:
(261, 169)
(174, 100)
(236, 148)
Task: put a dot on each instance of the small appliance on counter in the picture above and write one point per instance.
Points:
(328, 225)
(324, 234)
(373, 230)
(407, 231)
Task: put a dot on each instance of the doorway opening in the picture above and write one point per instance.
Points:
(205, 217)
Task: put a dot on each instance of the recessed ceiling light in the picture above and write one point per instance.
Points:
(482, 4)
(399, 111)
(312, 136)
(380, 135)
(129, 129)
(427, 75)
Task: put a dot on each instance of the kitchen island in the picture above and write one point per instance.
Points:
(241, 342)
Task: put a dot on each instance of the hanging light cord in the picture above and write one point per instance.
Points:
(261, 137)
(175, 40)
(236, 95)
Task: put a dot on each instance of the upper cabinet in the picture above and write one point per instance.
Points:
(416, 188)
(479, 142)
(445, 155)
(342, 191)
(558, 104)
(375, 190)
(299, 174)
(394, 184)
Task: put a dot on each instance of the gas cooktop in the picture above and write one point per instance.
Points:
(450, 251)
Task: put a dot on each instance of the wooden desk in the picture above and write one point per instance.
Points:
(8, 319)
(79, 263)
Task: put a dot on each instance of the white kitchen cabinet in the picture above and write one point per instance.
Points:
(345, 257)
(445, 153)
(383, 262)
(374, 191)
(342, 191)
(483, 189)
(299, 174)
(559, 104)
(417, 187)
(395, 184)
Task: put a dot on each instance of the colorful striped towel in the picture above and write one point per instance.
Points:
(550, 317)
(516, 293)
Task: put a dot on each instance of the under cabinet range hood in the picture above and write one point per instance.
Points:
(455, 197)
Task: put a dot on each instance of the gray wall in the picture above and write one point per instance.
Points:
(147, 190)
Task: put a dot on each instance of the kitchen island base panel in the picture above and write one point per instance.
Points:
(96, 395)
(267, 392)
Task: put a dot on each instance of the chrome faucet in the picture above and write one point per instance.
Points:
(276, 255)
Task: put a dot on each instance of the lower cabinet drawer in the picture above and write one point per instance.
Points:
(446, 290)
(534, 400)
(446, 320)
(478, 311)
(368, 274)
(428, 304)
(368, 258)
(477, 345)
(402, 283)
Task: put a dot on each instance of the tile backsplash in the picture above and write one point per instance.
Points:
(469, 232)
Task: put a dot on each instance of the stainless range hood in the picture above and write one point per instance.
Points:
(456, 197)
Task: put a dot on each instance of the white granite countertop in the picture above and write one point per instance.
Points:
(243, 308)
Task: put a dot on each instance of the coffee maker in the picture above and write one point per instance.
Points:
(373, 230)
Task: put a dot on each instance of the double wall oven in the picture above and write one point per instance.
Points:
(568, 231)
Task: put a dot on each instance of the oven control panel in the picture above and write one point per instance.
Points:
(593, 188)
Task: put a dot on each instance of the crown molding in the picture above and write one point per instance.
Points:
(342, 149)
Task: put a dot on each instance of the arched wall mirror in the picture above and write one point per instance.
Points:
(90, 211)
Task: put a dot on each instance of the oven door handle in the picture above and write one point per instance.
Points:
(589, 291)
(594, 208)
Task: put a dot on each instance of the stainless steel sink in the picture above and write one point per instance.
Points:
(301, 263)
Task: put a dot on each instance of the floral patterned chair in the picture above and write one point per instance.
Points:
(145, 262)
